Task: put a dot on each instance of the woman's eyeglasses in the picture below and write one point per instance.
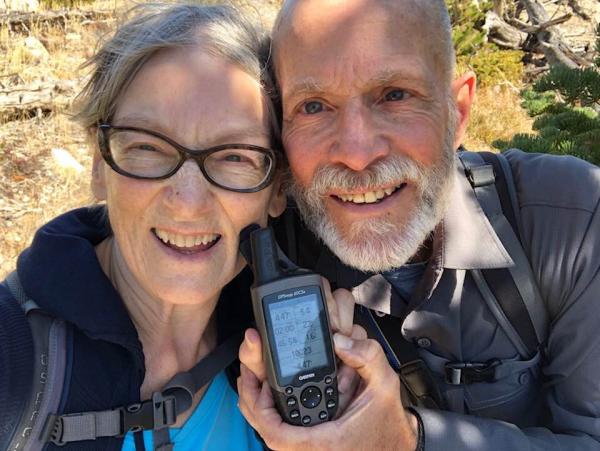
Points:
(144, 154)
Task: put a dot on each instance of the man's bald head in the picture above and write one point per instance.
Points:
(428, 18)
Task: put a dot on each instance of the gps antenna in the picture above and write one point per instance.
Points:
(265, 257)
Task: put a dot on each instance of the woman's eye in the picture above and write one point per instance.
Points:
(395, 95)
(147, 147)
(312, 107)
(233, 158)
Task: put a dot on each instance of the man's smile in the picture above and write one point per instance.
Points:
(369, 197)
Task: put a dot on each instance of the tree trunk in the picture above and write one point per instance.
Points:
(503, 34)
(18, 21)
(549, 39)
(28, 99)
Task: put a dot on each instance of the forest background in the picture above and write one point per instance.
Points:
(536, 61)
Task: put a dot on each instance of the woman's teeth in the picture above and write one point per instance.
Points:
(370, 197)
(185, 241)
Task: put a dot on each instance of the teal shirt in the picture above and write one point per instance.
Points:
(216, 424)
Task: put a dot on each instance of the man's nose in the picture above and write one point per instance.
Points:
(359, 142)
(188, 191)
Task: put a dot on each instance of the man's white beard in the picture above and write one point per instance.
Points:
(378, 244)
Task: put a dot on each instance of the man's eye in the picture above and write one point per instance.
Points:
(312, 107)
(395, 95)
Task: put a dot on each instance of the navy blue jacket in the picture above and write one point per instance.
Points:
(105, 367)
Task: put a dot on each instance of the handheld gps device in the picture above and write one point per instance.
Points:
(293, 322)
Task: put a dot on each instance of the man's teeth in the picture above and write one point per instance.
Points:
(367, 198)
(185, 240)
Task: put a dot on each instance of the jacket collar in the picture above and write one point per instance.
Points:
(466, 239)
(61, 273)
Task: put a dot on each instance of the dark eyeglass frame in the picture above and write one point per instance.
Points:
(198, 155)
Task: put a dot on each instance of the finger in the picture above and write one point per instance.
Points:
(348, 381)
(345, 376)
(251, 354)
(348, 378)
(248, 390)
(332, 307)
(358, 332)
(345, 303)
(367, 358)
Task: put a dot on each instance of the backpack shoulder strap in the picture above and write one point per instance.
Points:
(156, 414)
(40, 424)
(511, 293)
(417, 384)
(49, 363)
(506, 188)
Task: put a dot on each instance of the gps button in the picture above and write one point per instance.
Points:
(291, 402)
(330, 404)
(294, 414)
(311, 397)
(306, 420)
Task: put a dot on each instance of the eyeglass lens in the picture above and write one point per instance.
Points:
(142, 154)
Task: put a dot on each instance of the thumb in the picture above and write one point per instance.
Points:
(366, 357)
(250, 354)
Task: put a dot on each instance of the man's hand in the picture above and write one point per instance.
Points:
(374, 419)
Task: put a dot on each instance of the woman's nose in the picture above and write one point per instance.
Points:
(187, 191)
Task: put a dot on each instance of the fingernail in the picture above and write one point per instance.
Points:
(249, 337)
(342, 342)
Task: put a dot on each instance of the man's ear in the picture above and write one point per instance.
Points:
(463, 92)
(278, 199)
(98, 176)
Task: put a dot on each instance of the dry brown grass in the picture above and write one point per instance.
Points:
(34, 188)
(496, 114)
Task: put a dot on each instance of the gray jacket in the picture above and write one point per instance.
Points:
(540, 404)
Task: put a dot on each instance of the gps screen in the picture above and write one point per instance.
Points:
(298, 335)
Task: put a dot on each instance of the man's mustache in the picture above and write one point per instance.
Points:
(392, 171)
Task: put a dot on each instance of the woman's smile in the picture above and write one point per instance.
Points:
(187, 243)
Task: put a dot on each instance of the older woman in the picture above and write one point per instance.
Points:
(185, 158)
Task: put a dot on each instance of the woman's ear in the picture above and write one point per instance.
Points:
(278, 199)
(98, 176)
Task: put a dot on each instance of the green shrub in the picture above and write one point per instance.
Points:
(490, 63)
(493, 65)
(565, 103)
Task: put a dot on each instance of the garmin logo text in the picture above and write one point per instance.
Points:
(306, 376)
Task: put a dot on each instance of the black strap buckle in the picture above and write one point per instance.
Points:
(482, 175)
(157, 413)
(458, 373)
(53, 430)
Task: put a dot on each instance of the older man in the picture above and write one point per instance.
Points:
(372, 117)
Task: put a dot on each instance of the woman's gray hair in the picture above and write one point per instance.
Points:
(222, 31)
